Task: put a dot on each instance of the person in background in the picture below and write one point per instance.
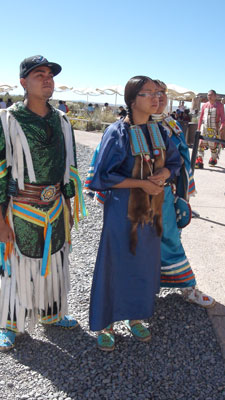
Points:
(182, 106)
(106, 108)
(90, 108)
(173, 115)
(97, 111)
(67, 108)
(2, 104)
(61, 106)
(211, 124)
(187, 115)
(122, 112)
(176, 271)
(179, 115)
(9, 103)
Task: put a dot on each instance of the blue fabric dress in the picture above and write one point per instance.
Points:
(124, 285)
(176, 270)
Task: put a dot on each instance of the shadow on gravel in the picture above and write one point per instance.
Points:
(215, 168)
(182, 361)
(210, 220)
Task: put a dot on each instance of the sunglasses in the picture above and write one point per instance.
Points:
(156, 94)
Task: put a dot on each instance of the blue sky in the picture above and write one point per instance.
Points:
(100, 43)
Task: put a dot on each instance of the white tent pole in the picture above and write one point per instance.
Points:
(116, 100)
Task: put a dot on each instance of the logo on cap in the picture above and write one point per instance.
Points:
(39, 59)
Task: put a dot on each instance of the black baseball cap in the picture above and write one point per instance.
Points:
(30, 63)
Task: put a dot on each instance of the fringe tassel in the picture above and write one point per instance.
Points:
(27, 293)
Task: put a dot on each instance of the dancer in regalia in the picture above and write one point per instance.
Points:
(126, 281)
(38, 176)
(176, 271)
(212, 124)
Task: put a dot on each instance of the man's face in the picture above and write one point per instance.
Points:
(39, 83)
(211, 97)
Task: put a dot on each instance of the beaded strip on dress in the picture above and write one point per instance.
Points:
(169, 121)
(139, 144)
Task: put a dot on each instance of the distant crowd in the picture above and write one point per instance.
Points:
(181, 114)
(4, 104)
(95, 108)
(120, 111)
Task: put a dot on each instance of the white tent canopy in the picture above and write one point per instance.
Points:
(175, 92)
(6, 88)
(86, 91)
(115, 89)
(107, 90)
(62, 88)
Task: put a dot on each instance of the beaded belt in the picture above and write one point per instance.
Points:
(43, 219)
(38, 194)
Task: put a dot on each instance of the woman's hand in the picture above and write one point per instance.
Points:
(150, 187)
(153, 185)
(160, 176)
(6, 233)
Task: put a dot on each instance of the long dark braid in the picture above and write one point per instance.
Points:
(130, 115)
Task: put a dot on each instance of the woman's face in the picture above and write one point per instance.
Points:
(162, 99)
(147, 100)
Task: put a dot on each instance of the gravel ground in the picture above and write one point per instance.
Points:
(182, 361)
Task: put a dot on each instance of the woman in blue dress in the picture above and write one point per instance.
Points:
(124, 285)
(176, 271)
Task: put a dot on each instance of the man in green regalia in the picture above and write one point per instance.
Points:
(38, 177)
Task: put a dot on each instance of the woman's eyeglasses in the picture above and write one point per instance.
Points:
(156, 94)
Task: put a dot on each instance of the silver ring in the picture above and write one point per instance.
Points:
(161, 183)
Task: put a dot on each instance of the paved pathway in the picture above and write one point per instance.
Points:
(203, 239)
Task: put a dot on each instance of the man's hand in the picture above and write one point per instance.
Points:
(6, 233)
